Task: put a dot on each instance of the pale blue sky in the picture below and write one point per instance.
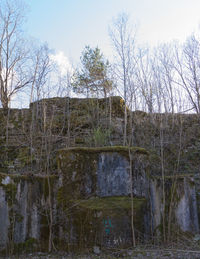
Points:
(68, 25)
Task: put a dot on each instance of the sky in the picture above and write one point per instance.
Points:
(69, 25)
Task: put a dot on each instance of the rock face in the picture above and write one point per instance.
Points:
(98, 179)
(57, 123)
(4, 219)
(88, 204)
(85, 200)
(23, 211)
(112, 175)
(186, 211)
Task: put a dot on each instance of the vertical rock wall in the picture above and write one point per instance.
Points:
(90, 202)
(24, 211)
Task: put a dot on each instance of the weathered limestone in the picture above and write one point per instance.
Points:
(186, 211)
(184, 204)
(90, 202)
(112, 175)
(4, 219)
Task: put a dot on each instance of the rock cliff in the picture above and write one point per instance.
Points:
(66, 182)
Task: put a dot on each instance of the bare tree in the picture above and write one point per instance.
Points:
(123, 42)
(13, 52)
(21, 63)
(187, 67)
(40, 70)
(145, 78)
(166, 60)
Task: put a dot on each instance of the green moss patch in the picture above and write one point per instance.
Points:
(29, 245)
(109, 203)
(120, 149)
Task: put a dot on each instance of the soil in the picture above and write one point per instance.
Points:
(120, 254)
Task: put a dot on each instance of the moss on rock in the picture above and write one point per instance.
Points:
(110, 203)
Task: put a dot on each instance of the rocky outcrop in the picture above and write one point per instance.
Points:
(67, 182)
(181, 206)
(89, 202)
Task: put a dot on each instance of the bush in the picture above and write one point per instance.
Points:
(101, 137)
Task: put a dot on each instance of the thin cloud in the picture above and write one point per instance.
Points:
(62, 61)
